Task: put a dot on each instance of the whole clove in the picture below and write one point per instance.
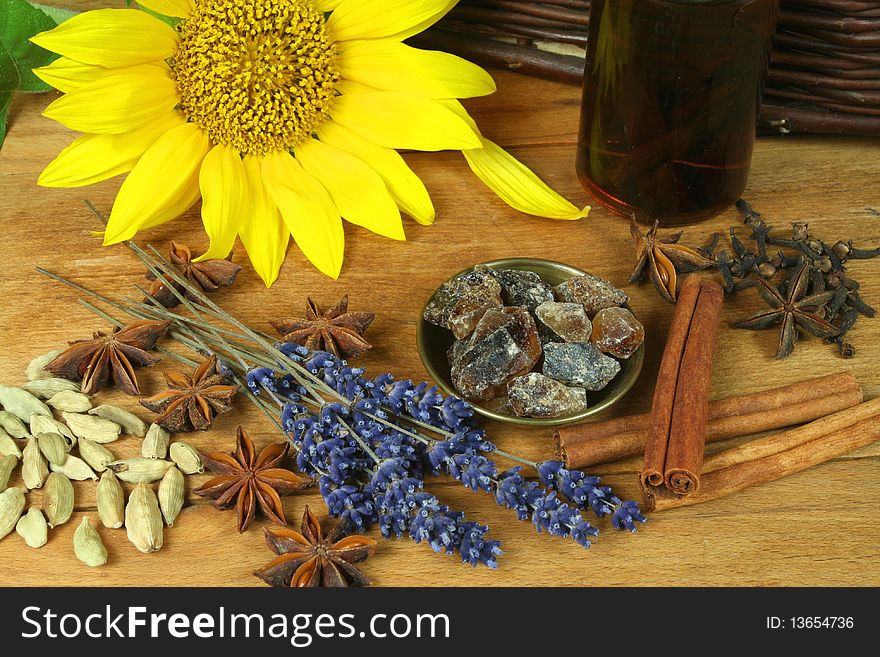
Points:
(750, 260)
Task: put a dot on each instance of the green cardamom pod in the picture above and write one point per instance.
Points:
(34, 469)
(36, 369)
(7, 465)
(58, 499)
(32, 528)
(87, 545)
(92, 427)
(53, 446)
(171, 493)
(139, 469)
(8, 447)
(97, 456)
(187, 458)
(155, 445)
(21, 403)
(11, 506)
(131, 424)
(110, 500)
(143, 520)
(71, 401)
(48, 388)
(74, 468)
(42, 424)
(12, 425)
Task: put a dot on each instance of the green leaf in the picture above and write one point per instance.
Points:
(19, 21)
(57, 14)
(5, 100)
(170, 20)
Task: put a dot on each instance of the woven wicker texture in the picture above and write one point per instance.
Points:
(824, 77)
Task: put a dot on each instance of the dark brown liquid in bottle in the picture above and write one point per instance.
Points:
(672, 91)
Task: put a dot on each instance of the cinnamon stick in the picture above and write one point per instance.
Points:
(687, 433)
(780, 442)
(657, 439)
(676, 434)
(777, 465)
(603, 442)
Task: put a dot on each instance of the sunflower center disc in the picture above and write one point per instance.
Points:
(258, 75)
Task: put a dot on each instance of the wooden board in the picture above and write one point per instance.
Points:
(814, 528)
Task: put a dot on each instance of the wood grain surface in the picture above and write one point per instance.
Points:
(814, 528)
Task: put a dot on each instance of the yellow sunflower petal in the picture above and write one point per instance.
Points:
(221, 181)
(263, 232)
(517, 185)
(326, 5)
(93, 158)
(116, 103)
(397, 120)
(66, 74)
(403, 184)
(454, 106)
(311, 217)
(393, 66)
(376, 19)
(111, 38)
(423, 25)
(163, 184)
(358, 192)
(511, 180)
(175, 8)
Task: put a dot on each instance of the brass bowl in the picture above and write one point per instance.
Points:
(434, 341)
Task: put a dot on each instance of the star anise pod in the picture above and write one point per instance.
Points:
(207, 275)
(308, 558)
(110, 358)
(664, 259)
(793, 310)
(247, 480)
(335, 330)
(192, 401)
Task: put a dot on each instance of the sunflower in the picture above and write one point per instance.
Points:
(282, 116)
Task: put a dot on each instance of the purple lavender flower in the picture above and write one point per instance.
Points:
(435, 523)
(371, 469)
(349, 503)
(455, 412)
(584, 491)
(514, 492)
(474, 471)
(293, 351)
(261, 378)
(626, 515)
(477, 550)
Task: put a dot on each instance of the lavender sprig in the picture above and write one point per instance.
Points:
(369, 442)
(462, 455)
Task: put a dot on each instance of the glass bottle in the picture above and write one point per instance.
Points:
(672, 91)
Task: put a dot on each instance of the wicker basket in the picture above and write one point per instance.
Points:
(824, 77)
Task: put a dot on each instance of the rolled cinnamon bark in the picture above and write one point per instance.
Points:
(660, 421)
(777, 465)
(603, 442)
(780, 442)
(687, 433)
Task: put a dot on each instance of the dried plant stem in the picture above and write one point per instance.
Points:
(203, 336)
